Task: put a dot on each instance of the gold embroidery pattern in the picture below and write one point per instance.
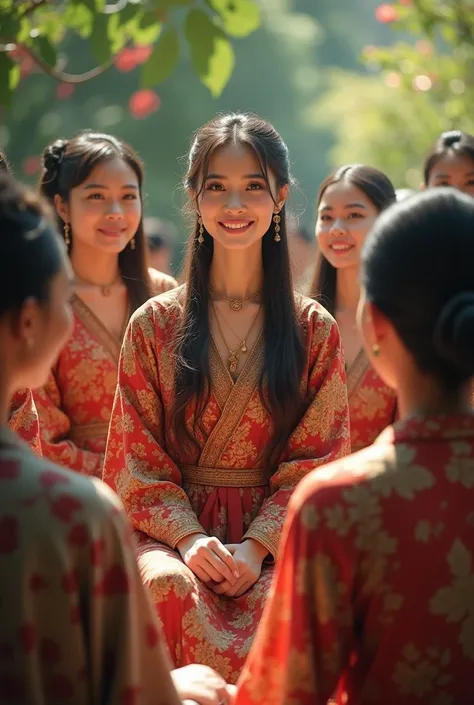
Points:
(224, 477)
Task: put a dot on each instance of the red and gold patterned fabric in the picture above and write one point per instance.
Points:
(24, 419)
(372, 405)
(76, 623)
(74, 406)
(373, 597)
(219, 488)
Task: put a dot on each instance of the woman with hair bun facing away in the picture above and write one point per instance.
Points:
(94, 181)
(373, 596)
(450, 162)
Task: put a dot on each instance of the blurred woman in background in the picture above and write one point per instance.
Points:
(348, 204)
(95, 183)
(450, 162)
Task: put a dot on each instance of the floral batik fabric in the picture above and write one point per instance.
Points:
(77, 625)
(372, 404)
(373, 596)
(219, 487)
(24, 419)
(74, 406)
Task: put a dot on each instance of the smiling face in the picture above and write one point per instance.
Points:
(455, 170)
(345, 216)
(104, 211)
(236, 203)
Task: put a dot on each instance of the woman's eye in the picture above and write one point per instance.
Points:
(355, 216)
(215, 187)
(130, 197)
(324, 218)
(94, 197)
(255, 187)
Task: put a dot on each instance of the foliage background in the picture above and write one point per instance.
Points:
(342, 81)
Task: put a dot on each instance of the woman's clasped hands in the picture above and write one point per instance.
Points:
(229, 569)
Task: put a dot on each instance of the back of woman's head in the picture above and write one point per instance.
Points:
(30, 249)
(417, 268)
(451, 142)
(67, 164)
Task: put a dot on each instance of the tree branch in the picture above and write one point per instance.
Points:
(62, 75)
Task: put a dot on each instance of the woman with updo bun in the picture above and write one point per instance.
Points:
(373, 597)
(450, 162)
(94, 182)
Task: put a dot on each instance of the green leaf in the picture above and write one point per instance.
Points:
(79, 18)
(239, 17)
(212, 54)
(46, 50)
(169, 4)
(9, 25)
(162, 61)
(101, 43)
(145, 28)
(9, 78)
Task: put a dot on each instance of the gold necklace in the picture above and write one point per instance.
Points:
(234, 355)
(235, 304)
(105, 289)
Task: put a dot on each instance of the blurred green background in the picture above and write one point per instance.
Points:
(312, 68)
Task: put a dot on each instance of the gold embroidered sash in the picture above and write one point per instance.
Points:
(224, 477)
(89, 432)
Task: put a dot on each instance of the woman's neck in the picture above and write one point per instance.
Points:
(237, 273)
(94, 266)
(347, 289)
(419, 395)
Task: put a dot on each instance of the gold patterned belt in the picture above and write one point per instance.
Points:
(224, 477)
(89, 431)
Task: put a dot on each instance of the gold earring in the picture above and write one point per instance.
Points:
(375, 350)
(276, 220)
(67, 236)
(201, 231)
(132, 243)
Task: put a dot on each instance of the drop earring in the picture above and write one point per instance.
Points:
(276, 220)
(133, 243)
(201, 231)
(67, 236)
(375, 350)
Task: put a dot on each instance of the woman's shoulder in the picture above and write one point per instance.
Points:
(163, 310)
(312, 315)
(161, 282)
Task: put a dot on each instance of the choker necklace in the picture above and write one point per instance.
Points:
(105, 289)
(235, 304)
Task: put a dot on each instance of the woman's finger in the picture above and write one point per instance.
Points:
(226, 557)
(201, 573)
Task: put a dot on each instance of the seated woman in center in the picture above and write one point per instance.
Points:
(231, 388)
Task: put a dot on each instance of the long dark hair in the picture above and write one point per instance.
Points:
(433, 309)
(456, 141)
(380, 191)
(284, 350)
(67, 164)
(31, 253)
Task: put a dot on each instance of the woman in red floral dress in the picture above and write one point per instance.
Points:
(231, 388)
(373, 599)
(349, 202)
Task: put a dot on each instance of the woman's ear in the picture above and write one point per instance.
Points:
(62, 208)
